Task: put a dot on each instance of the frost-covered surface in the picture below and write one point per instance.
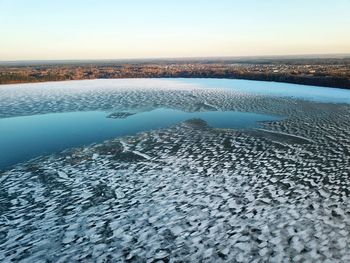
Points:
(123, 94)
(188, 193)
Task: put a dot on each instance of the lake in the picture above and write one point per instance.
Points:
(68, 114)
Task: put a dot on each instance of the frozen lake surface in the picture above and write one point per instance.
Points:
(157, 186)
(278, 89)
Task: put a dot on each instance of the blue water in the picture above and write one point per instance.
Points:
(278, 89)
(24, 138)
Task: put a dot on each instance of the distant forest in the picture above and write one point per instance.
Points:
(329, 72)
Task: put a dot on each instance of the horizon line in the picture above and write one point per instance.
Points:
(300, 56)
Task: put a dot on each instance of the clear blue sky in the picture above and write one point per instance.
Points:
(111, 29)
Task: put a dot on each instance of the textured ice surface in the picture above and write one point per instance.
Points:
(188, 193)
(287, 90)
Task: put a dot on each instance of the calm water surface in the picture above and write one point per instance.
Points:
(23, 138)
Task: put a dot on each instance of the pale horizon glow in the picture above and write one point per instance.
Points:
(107, 29)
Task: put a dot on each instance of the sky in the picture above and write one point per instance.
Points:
(119, 29)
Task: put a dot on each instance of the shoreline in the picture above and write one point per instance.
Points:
(276, 80)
